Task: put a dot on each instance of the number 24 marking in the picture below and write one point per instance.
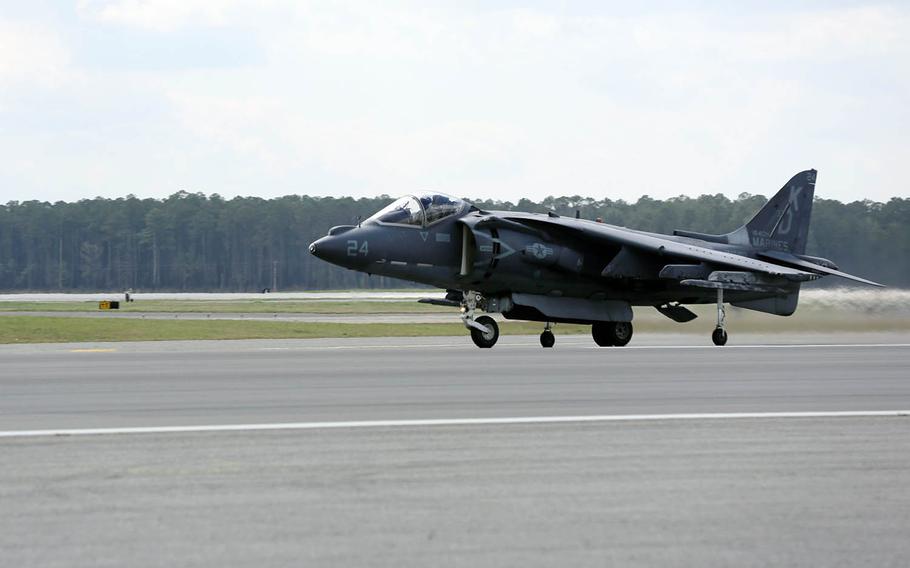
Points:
(354, 249)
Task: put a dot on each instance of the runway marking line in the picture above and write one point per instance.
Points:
(446, 422)
(98, 350)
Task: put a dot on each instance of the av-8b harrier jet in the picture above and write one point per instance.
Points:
(548, 268)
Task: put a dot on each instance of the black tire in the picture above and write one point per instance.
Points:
(547, 339)
(611, 333)
(719, 337)
(485, 340)
(622, 333)
(602, 332)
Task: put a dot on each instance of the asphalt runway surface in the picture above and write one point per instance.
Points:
(699, 455)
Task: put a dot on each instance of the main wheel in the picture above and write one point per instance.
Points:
(719, 337)
(602, 332)
(547, 339)
(622, 333)
(488, 339)
(607, 333)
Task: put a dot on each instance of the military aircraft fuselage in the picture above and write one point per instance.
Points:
(543, 267)
(463, 252)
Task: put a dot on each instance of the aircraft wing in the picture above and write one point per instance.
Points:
(654, 244)
(803, 263)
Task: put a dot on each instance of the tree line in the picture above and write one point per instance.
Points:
(194, 242)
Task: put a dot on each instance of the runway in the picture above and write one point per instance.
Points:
(728, 483)
(190, 383)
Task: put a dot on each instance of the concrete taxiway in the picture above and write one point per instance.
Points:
(731, 483)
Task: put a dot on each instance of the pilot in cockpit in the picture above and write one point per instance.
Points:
(419, 211)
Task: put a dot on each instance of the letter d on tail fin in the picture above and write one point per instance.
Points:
(783, 223)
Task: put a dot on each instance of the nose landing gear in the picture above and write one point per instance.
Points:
(484, 329)
(485, 339)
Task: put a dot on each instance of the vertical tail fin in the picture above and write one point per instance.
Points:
(783, 223)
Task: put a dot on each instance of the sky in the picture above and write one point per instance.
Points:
(483, 99)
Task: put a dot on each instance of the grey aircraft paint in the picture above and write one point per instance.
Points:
(547, 268)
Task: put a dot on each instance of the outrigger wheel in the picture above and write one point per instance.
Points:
(611, 333)
(547, 339)
(485, 340)
(719, 336)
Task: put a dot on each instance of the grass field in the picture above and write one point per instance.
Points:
(819, 311)
(30, 329)
(241, 306)
(25, 329)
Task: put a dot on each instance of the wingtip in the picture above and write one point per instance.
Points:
(863, 281)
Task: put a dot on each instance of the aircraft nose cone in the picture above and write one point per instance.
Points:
(330, 249)
(320, 248)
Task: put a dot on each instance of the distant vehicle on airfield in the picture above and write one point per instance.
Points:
(548, 268)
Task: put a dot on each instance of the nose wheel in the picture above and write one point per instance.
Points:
(484, 329)
(488, 338)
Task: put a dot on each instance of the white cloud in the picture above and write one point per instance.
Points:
(365, 98)
(244, 126)
(167, 15)
(833, 34)
(32, 54)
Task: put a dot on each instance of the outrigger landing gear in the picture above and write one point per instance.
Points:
(484, 330)
(719, 336)
(547, 339)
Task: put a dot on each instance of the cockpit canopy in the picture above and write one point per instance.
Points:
(419, 210)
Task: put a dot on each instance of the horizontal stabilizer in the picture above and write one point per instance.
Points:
(793, 260)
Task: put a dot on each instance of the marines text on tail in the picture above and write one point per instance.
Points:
(547, 268)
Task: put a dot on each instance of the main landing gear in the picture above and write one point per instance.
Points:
(611, 333)
(719, 336)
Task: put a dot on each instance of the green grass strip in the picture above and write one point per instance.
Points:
(238, 306)
(25, 329)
